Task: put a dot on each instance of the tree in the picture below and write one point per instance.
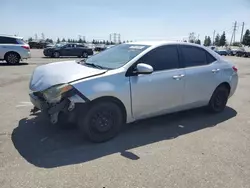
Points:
(43, 36)
(198, 41)
(246, 38)
(222, 41)
(49, 40)
(58, 40)
(209, 41)
(30, 39)
(63, 40)
(192, 38)
(80, 40)
(217, 40)
(205, 41)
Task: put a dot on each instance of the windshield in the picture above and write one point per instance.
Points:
(116, 56)
(59, 45)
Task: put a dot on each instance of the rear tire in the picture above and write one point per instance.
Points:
(12, 58)
(56, 54)
(219, 99)
(102, 122)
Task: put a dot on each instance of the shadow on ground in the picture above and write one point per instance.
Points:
(62, 57)
(46, 146)
(2, 63)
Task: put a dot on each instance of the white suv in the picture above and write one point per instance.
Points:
(13, 49)
(129, 82)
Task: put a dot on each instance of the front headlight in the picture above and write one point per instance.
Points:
(54, 93)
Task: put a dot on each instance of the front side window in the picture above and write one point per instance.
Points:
(194, 56)
(162, 58)
(117, 56)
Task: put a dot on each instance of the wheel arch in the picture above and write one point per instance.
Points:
(9, 52)
(226, 84)
(114, 100)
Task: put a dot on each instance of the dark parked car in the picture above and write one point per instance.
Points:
(37, 44)
(70, 49)
(222, 52)
(100, 48)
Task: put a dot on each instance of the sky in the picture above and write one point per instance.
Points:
(134, 19)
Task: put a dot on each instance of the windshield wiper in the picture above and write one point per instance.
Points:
(93, 65)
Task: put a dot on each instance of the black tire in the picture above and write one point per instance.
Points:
(12, 58)
(219, 99)
(85, 55)
(56, 54)
(102, 121)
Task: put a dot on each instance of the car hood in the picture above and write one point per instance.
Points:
(52, 74)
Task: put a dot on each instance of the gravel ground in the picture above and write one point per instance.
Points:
(187, 149)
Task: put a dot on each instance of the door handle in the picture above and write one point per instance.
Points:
(215, 70)
(178, 77)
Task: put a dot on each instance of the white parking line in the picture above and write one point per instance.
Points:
(24, 104)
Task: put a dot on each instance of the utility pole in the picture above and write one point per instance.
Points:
(234, 32)
(213, 37)
(241, 37)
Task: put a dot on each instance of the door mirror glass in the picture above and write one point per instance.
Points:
(143, 68)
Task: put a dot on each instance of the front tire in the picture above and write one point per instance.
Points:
(85, 55)
(219, 99)
(12, 58)
(102, 122)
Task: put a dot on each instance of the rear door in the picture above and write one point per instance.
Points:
(162, 91)
(202, 75)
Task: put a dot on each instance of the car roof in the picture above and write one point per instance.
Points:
(155, 44)
(159, 43)
(11, 36)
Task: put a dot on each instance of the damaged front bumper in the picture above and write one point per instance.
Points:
(66, 105)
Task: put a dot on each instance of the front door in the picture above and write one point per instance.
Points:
(161, 91)
(69, 50)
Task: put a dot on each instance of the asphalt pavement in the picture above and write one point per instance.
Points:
(190, 149)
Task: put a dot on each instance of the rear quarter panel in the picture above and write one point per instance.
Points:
(229, 75)
(24, 53)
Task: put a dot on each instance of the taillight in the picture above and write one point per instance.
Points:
(26, 47)
(235, 69)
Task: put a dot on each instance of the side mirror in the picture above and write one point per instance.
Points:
(143, 68)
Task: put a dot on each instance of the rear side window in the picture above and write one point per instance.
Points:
(80, 46)
(210, 58)
(8, 40)
(20, 41)
(162, 58)
(194, 56)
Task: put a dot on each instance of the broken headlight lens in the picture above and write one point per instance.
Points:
(54, 93)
